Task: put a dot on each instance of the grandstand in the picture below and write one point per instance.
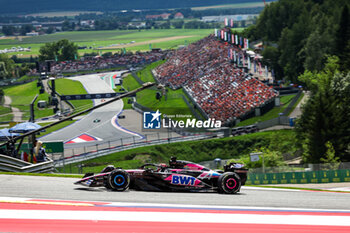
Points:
(99, 62)
(221, 88)
(211, 71)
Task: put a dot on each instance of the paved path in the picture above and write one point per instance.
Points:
(297, 111)
(17, 114)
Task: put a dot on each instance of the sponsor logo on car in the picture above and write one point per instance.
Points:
(183, 180)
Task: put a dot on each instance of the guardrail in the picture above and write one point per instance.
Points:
(10, 164)
(95, 154)
(281, 120)
(319, 173)
(290, 106)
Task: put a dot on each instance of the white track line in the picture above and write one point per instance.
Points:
(316, 220)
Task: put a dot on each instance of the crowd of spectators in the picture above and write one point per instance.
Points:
(100, 62)
(205, 69)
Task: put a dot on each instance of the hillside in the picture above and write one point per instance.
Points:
(35, 6)
(299, 35)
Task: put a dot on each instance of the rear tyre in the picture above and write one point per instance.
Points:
(229, 183)
(118, 180)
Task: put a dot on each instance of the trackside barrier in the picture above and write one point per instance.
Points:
(9, 164)
(98, 153)
(299, 177)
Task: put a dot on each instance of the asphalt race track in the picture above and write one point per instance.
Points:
(51, 204)
(55, 204)
(99, 123)
(63, 188)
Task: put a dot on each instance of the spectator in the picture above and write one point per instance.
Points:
(220, 88)
(117, 60)
(39, 152)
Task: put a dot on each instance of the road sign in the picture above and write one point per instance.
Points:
(53, 147)
(255, 157)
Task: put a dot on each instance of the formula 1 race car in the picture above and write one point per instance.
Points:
(179, 175)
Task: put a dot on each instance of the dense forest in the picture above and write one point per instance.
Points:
(308, 41)
(299, 35)
(35, 6)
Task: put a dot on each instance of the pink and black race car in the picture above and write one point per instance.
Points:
(179, 175)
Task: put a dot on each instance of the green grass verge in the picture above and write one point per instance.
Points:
(79, 176)
(172, 106)
(146, 74)
(22, 96)
(273, 113)
(129, 84)
(71, 87)
(299, 188)
(26, 77)
(41, 174)
(196, 151)
(5, 114)
(54, 128)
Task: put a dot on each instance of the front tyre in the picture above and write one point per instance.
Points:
(229, 183)
(118, 180)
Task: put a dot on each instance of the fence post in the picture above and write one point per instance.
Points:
(64, 168)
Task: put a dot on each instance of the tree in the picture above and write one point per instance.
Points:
(61, 50)
(314, 49)
(343, 40)
(7, 67)
(306, 31)
(50, 30)
(8, 30)
(178, 24)
(165, 25)
(270, 56)
(326, 115)
(65, 25)
(26, 28)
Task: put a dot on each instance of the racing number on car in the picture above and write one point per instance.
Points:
(183, 180)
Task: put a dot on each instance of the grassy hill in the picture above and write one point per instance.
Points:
(237, 148)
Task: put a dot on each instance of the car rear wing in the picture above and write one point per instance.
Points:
(235, 167)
